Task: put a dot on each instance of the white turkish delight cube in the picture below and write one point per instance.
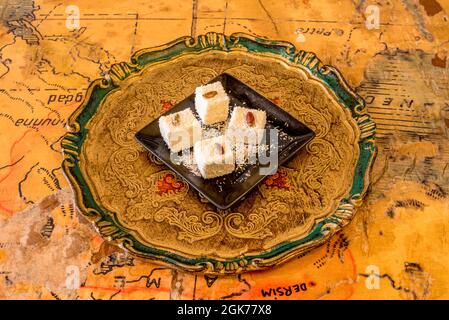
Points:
(214, 157)
(212, 103)
(247, 125)
(180, 130)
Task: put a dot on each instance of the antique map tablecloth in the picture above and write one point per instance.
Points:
(395, 248)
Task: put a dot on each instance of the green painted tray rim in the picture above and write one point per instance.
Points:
(109, 226)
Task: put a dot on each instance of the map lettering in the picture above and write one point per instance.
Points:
(284, 291)
(39, 122)
(66, 98)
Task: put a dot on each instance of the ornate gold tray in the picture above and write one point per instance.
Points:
(137, 203)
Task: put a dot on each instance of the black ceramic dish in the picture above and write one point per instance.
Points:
(225, 191)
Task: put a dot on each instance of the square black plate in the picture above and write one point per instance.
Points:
(225, 191)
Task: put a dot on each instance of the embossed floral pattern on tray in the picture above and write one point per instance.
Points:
(136, 202)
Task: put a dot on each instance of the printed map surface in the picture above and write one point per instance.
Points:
(395, 248)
